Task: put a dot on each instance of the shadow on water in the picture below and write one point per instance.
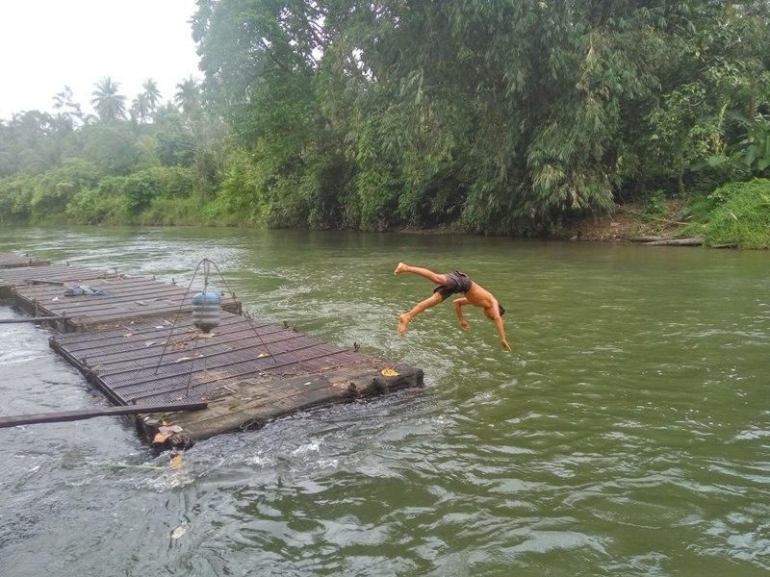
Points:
(627, 435)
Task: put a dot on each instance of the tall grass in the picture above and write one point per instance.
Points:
(742, 217)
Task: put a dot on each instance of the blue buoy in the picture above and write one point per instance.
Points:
(206, 307)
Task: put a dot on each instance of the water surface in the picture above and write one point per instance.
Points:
(628, 434)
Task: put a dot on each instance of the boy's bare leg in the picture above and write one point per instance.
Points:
(406, 318)
(423, 272)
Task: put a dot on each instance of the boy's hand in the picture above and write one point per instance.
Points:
(506, 346)
(464, 324)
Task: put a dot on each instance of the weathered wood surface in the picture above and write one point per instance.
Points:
(155, 360)
(81, 414)
(55, 275)
(249, 371)
(13, 260)
(645, 239)
(251, 403)
(136, 342)
(695, 241)
(663, 241)
(123, 299)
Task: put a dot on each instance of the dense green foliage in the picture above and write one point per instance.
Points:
(499, 117)
(161, 166)
(742, 215)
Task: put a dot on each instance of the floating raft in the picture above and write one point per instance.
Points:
(134, 339)
(114, 299)
(55, 275)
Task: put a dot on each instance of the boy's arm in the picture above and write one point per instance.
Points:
(501, 331)
(458, 304)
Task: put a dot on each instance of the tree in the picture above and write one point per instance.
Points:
(111, 147)
(188, 96)
(175, 145)
(109, 104)
(151, 95)
(498, 117)
(65, 104)
(140, 109)
(502, 117)
(31, 143)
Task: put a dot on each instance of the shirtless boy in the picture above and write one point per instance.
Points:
(449, 284)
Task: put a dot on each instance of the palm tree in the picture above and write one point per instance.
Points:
(187, 96)
(140, 108)
(109, 105)
(151, 94)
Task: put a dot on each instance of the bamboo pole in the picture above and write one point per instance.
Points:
(79, 414)
(32, 320)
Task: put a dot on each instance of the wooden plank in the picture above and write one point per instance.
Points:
(694, 241)
(144, 363)
(53, 274)
(250, 404)
(122, 299)
(137, 343)
(645, 238)
(80, 414)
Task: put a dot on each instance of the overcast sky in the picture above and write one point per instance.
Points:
(47, 44)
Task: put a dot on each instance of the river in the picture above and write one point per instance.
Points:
(628, 433)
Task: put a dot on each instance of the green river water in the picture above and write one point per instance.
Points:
(628, 433)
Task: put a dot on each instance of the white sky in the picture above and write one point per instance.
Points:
(47, 44)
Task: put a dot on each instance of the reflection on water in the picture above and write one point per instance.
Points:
(627, 435)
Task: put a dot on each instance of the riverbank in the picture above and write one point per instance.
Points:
(735, 215)
(630, 222)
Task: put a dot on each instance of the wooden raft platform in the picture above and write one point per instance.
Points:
(58, 275)
(134, 339)
(116, 299)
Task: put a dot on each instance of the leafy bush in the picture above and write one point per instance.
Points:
(142, 188)
(743, 217)
(168, 211)
(15, 197)
(112, 148)
(55, 188)
(173, 181)
(103, 204)
(654, 206)
(92, 206)
(238, 195)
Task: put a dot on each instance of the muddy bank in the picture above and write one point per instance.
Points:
(630, 223)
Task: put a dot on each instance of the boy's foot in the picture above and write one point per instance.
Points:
(400, 268)
(403, 323)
